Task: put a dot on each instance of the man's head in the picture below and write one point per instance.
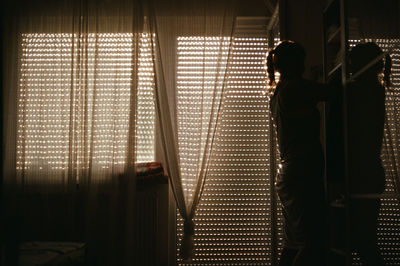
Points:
(288, 59)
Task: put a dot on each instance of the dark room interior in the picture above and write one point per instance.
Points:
(151, 132)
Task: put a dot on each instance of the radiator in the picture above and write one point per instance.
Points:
(151, 224)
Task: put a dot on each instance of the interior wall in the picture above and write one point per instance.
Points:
(372, 20)
(301, 21)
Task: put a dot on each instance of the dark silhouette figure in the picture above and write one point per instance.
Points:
(299, 182)
(366, 113)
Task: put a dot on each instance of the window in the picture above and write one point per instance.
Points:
(75, 94)
(234, 224)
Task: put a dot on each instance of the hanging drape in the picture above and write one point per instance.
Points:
(73, 71)
(189, 107)
(69, 104)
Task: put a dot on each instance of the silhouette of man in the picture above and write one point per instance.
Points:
(299, 182)
(366, 114)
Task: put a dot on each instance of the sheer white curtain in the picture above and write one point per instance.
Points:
(75, 92)
(74, 69)
(70, 122)
(188, 105)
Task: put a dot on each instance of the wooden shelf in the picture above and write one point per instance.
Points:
(334, 37)
(330, 4)
(335, 40)
(336, 68)
(337, 205)
(338, 251)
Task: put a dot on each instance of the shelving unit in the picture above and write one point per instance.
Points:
(345, 25)
(335, 40)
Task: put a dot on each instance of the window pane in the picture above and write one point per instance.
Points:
(74, 100)
(233, 220)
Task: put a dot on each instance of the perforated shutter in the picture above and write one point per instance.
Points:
(49, 65)
(389, 217)
(233, 220)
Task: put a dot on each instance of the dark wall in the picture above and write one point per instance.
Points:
(374, 19)
(301, 21)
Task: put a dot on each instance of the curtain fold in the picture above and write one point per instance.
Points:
(72, 112)
(70, 123)
(190, 106)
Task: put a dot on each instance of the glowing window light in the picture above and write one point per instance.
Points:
(94, 119)
(233, 224)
